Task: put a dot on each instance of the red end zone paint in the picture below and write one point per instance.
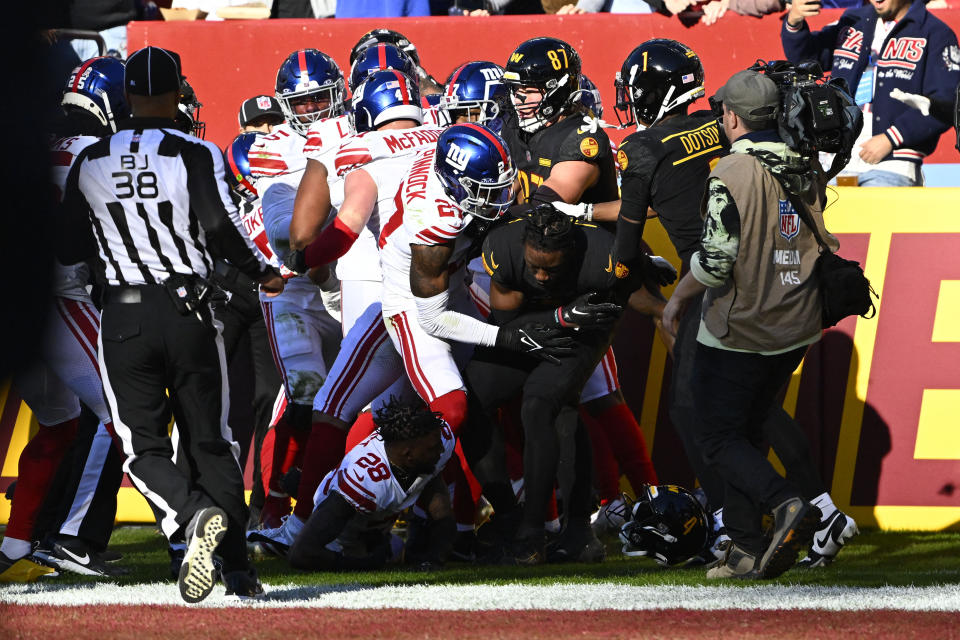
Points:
(189, 622)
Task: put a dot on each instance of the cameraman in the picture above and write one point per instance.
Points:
(893, 44)
(761, 310)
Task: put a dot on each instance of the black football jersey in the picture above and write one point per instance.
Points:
(570, 139)
(666, 168)
(592, 267)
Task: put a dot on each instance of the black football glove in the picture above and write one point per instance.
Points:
(659, 270)
(296, 261)
(588, 312)
(535, 340)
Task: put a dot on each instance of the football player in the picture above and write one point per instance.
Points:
(665, 165)
(282, 443)
(67, 373)
(387, 116)
(428, 86)
(304, 335)
(475, 93)
(564, 156)
(550, 270)
(358, 502)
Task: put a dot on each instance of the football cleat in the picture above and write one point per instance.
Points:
(278, 541)
(72, 554)
(609, 517)
(831, 536)
(243, 585)
(528, 551)
(26, 569)
(197, 572)
(577, 543)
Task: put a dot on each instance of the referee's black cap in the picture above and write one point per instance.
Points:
(152, 71)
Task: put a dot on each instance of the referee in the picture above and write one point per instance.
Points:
(152, 203)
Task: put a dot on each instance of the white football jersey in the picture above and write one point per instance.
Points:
(251, 215)
(386, 156)
(324, 139)
(424, 215)
(365, 479)
(368, 146)
(277, 157)
(68, 281)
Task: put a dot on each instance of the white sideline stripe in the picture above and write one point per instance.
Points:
(559, 597)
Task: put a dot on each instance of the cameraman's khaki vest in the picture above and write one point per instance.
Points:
(771, 300)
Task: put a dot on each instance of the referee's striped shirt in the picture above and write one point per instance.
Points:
(156, 202)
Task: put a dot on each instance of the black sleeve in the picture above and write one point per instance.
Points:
(75, 241)
(584, 144)
(326, 522)
(209, 201)
(637, 164)
(497, 253)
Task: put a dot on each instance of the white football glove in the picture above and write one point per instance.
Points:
(330, 292)
(579, 210)
(922, 103)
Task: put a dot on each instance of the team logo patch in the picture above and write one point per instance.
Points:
(589, 147)
(789, 220)
(621, 271)
(622, 159)
(951, 57)
(263, 102)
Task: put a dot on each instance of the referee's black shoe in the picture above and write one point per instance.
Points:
(198, 573)
(72, 554)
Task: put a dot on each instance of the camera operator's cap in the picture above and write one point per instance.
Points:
(258, 107)
(751, 95)
(152, 71)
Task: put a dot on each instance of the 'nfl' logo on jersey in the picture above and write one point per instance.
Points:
(789, 220)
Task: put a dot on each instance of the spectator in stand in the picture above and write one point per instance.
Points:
(109, 18)
(482, 8)
(892, 44)
(382, 8)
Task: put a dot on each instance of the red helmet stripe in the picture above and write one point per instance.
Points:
(489, 136)
(453, 81)
(381, 56)
(83, 67)
(242, 179)
(403, 86)
(302, 63)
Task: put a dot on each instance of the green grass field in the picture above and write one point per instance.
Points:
(872, 559)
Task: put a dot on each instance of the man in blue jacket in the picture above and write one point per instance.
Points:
(886, 45)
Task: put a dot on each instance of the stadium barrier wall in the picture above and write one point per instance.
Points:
(878, 398)
(227, 62)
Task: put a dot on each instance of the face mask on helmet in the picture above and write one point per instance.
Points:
(475, 170)
(309, 87)
(666, 523)
(539, 105)
(96, 86)
(657, 77)
(473, 93)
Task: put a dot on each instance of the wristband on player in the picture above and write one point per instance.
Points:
(331, 244)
